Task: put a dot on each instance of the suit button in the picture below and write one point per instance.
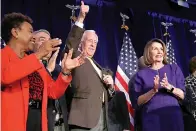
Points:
(100, 97)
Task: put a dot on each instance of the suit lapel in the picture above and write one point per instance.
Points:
(95, 69)
(99, 66)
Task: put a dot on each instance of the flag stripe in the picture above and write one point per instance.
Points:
(131, 119)
(127, 66)
(123, 83)
(130, 109)
(126, 79)
(120, 87)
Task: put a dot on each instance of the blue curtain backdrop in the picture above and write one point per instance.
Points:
(181, 37)
(104, 18)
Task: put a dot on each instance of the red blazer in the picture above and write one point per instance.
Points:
(15, 89)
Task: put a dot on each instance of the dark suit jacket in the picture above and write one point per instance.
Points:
(51, 102)
(63, 99)
(88, 88)
(118, 113)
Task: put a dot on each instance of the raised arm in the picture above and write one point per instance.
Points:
(73, 39)
(75, 35)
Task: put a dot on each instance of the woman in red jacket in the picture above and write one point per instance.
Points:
(26, 85)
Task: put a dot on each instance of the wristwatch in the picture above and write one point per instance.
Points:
(66, 73)
(172, 89)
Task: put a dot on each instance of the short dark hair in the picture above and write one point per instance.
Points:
(41, 30)
(12, 20)
(192, 65)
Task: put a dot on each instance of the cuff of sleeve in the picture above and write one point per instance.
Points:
(34, 61)
(66, 79)
(79, 24)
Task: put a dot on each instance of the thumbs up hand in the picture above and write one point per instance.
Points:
(84, 9)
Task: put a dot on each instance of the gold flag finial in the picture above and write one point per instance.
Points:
(124, 17)
(73, 16)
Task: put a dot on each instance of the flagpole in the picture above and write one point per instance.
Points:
(170, 51)
(73, 8)
(166, 34)
(124, 18)
(126, 68)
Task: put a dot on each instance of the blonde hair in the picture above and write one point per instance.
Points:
(147, 57)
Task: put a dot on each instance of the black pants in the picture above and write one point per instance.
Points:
(34, 120)
(189, 122)
(118, 114)
(51, 119)
(74, 127)
(138, 120)
(51, 114)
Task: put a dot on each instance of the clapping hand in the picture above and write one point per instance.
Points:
(52, 62)
(47, 47)
(164, 83)
(156, 83)
(68, 63)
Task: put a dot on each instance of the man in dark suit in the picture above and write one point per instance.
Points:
(55, 107)
(49, 62)
(91, 87)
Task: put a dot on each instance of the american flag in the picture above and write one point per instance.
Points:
(170, 53)
(127, 67)
(2, 43)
